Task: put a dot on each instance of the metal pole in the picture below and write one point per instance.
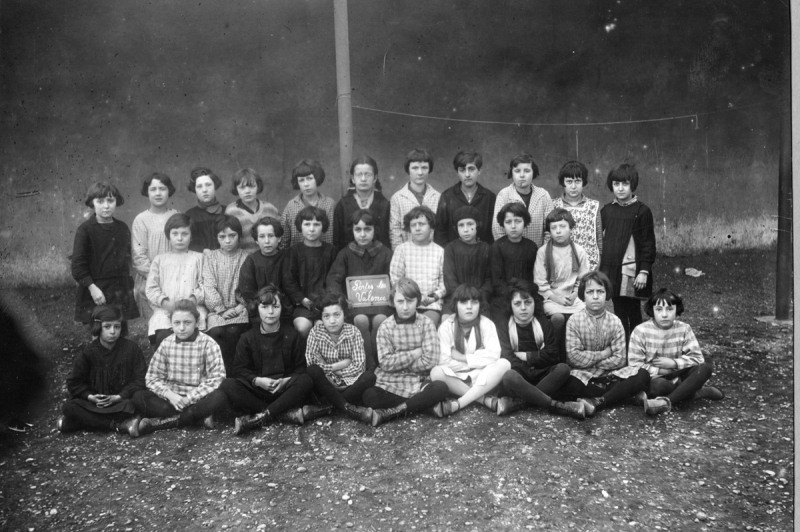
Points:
(783, 284)
(343, 100)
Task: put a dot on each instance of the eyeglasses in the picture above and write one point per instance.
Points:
(364, 174)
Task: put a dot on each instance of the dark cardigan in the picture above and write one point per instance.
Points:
(619, 224)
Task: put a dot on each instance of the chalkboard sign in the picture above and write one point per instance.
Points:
(368, 290)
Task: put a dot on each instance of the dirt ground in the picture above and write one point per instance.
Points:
(724, 465)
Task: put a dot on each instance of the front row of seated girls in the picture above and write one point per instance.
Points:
(275, 371)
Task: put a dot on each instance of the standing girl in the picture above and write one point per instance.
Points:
(148, 239)
(101, 257)
(307, 177)
(204, 184)
(247, 184)
(366, 194)
(588, 232)
(105, 375)
(537, 201)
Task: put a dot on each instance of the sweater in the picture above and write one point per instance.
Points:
(343, 233)
(453, 199)
(248, 218)
(649, 341)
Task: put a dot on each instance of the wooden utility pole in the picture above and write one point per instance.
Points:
(783, 284)
(343, 100)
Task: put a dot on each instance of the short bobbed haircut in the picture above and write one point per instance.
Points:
(667, 296)
(559, 215)
(227, 221)
(573, 169)
(308, 167)
(200, 172)
(362, 215)
(276, 225)
(417, 212)
(186, 305)
(408, 288)
(100, 190)
(419, 155)
(515, 208)
(366, 159)
(526, 289)
(270, 295)
(162, 178)
(310, 213)
(176, 221)
(106, 313)
(597, 277)
(329, 299)
(246, 177)
(523, 158)
(462, 159)
(622, 173)
(466, 292)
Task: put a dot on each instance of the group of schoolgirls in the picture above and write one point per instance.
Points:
(247, 310)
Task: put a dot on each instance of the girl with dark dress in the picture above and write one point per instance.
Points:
(204, 184)
(101, 257)
(105, 375)
(365, 194)
(511, 256)
(466, 259)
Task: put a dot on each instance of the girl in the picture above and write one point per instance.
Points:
(307, 177)
(204, 184)
(263, 267)
(306, 266)
(510, 257)
(269, 378)
(530, 346)
(247, 184)
(536, 200)
(421, 260)
(174, 275)
(183, 377)
(227, 313)
(101, 257)
(408, 348)
(419, 165)
(335, 358)
(466, 259)
(469, 362)
(560, 264)
(365, 194)
(148, 239)
(588, 233)
(363, 256)
(629, 247)
(667, 348)
(105, 375)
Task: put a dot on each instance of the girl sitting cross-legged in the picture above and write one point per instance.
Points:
(470, 362)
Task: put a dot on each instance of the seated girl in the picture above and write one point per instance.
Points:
(183, 377)
(466, 259)
(600, 374)
(408, 348)
(511, 256)
(469, 363)
(227, 314)
(528, 343)
(335, 357)
(269, 379)
(173, 276)
(362, 256)
(248, 209)
(560, 264)
(421, 260)
(667, 348)
(263, 267)
(105, 375)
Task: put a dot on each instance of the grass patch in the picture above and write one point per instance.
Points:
(715, 234)
(35, 269)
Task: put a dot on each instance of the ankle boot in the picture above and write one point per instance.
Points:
(576, 409)
(709, 392)
(383, 415)
(445, 408)
(127, 426)
(294, 415)
(314, 411)
(591, 404)
(507, 405)
(659, 405)
(152, 424)
(243, 424)
(359, 413)
(65, 424)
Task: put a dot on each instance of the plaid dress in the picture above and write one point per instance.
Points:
(192, 369)
(401, 372)
(322, 351)
(587, 337)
